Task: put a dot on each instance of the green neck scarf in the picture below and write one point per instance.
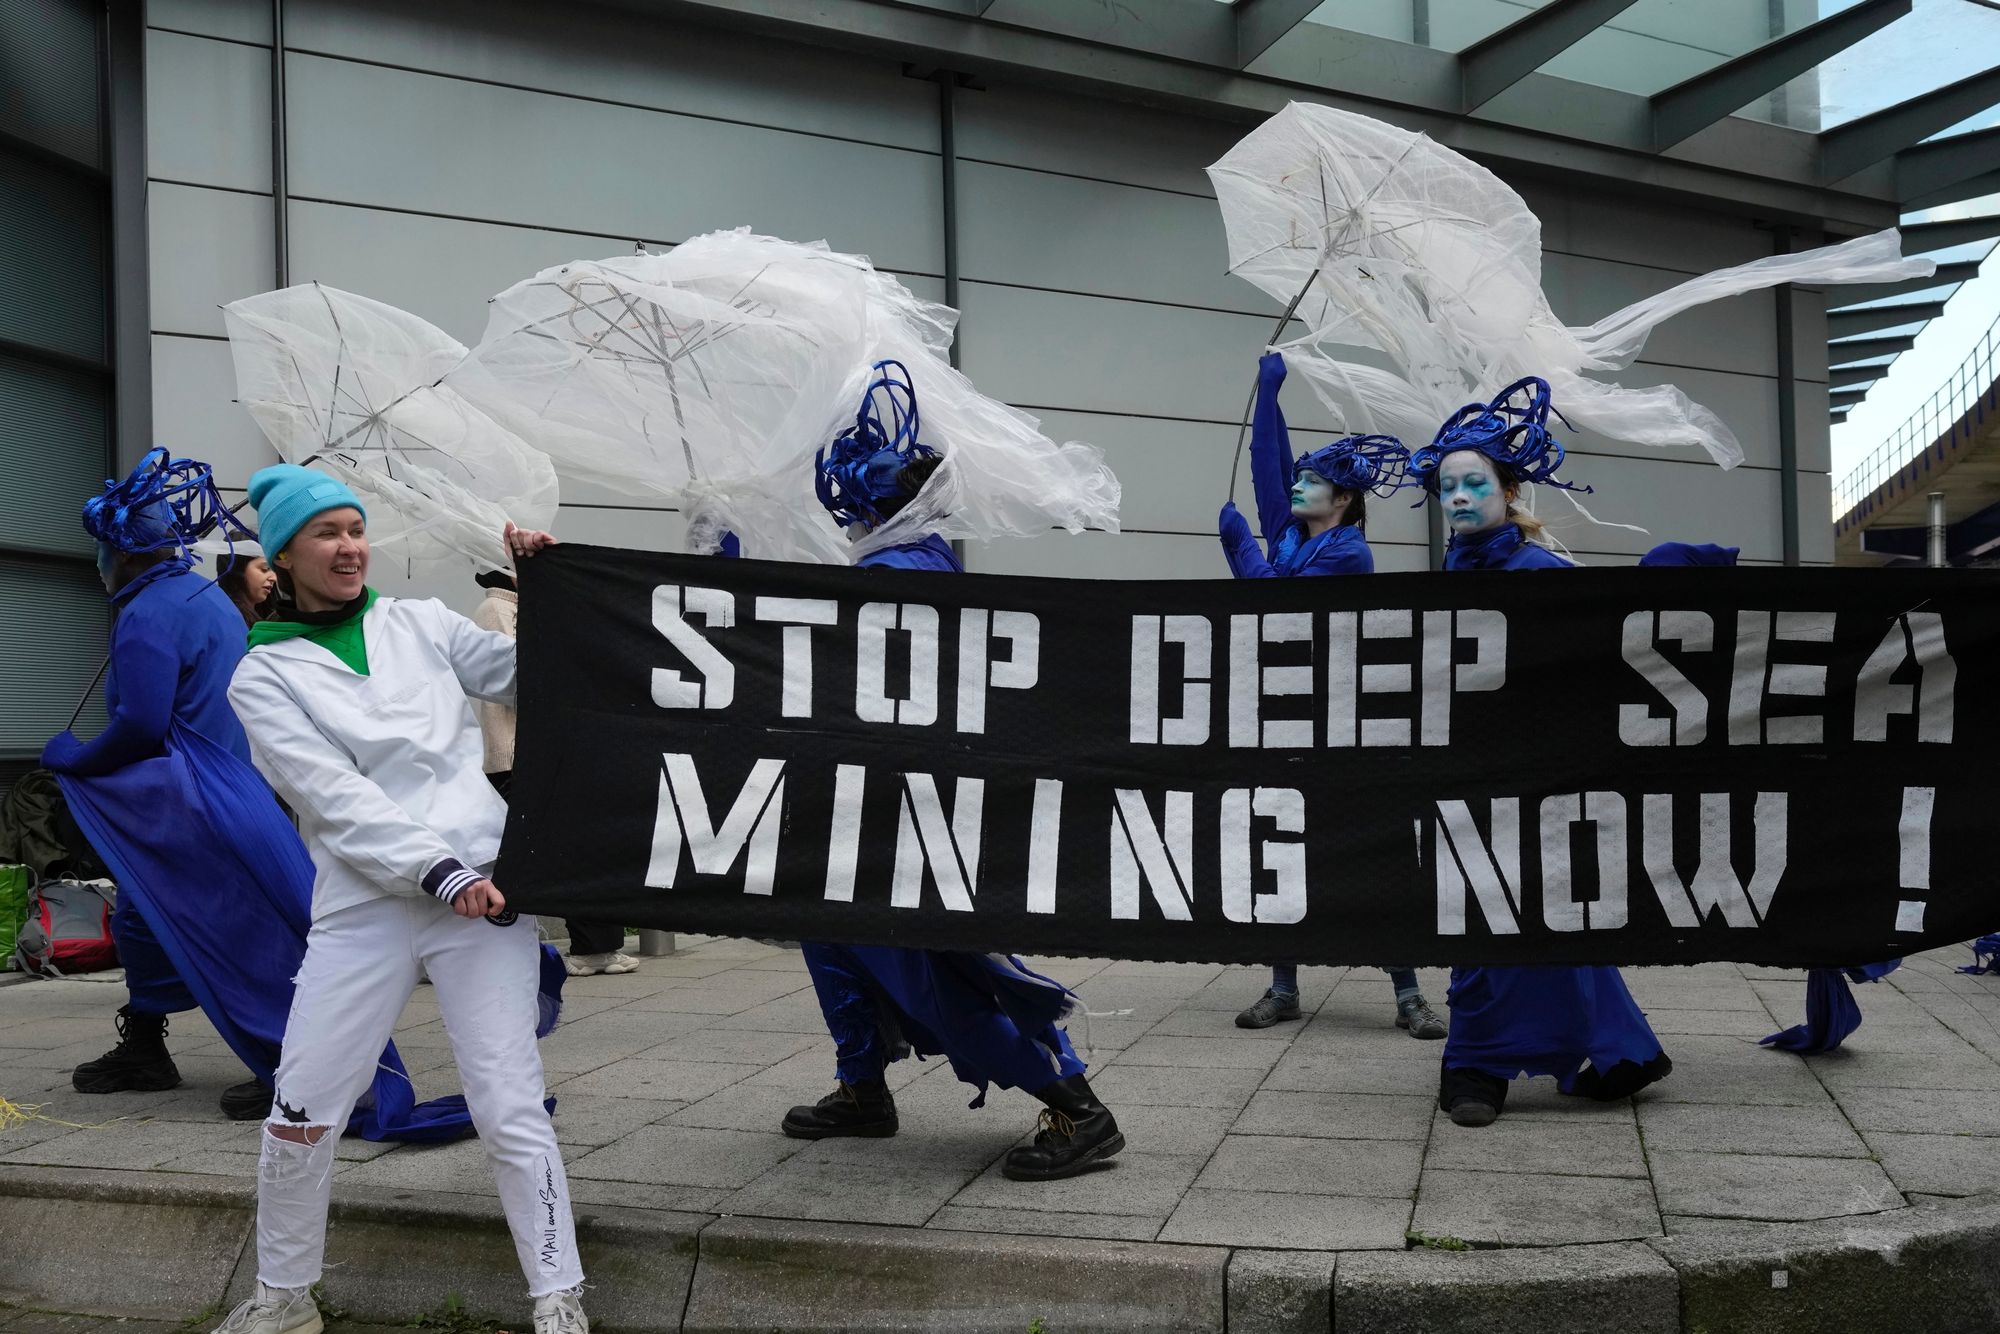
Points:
(337, 631)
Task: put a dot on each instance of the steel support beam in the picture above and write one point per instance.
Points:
(1697, 103)
(1945, 171)
(1846, 398)
(1867, 349)
(1835, 418)
(1201, 31)
(1847, 323)
(1492, 65)
(1841, 377)
(1861, 293)
(1919, 237)
(1848, 148)
(1260, 24)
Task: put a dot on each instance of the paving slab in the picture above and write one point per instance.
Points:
(1148, 1184)
(1816, 1131)
(1762, 1186)
(1938, 1164)
(1378, 1116)
(687, 1156)
(1048, 1223)
(1929, 1111)
(1297, 1222)
(1520, 1209)
(1603, 1147)
(1289, 1165)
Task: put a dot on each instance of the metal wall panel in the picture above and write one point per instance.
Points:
(208, 112)
(369, 135)
(233, 20)
(207, 247)
(605, 55)
(194, 409)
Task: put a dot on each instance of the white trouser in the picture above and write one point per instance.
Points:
(360, 968)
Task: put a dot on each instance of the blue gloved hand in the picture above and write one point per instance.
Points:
(61, 752)
(1271, 369)
(1232, 527)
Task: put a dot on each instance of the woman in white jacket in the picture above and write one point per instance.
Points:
(359, 712)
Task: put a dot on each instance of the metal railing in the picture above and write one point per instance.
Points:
(1974, 385)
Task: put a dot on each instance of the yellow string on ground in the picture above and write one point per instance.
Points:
(21, 1113)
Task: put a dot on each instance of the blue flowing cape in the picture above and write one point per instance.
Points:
(203, 849)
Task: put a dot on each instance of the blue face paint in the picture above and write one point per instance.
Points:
(1470, 492)
(1312, 496)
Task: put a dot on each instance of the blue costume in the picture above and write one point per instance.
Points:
(988, 1014)
(214, 886)
(1355, 463)
(991, 1016)
(1831, 1014)
(1579, 1024)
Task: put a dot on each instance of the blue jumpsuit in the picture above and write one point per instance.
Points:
(1342, 550)
(1541, 1020)
(988, 1014)
(174, 646)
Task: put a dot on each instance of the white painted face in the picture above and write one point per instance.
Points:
(1313, 497)
(1470, 492)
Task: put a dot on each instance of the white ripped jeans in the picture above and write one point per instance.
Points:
(360, 968)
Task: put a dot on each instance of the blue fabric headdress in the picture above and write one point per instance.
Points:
(165, 502)
(1377, 463)
(861, 470)
(1512, 430)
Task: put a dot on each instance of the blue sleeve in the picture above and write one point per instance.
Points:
(1239, 548)
(1344, 552)
(1534, 556)
(148, 671)
(1271, 452)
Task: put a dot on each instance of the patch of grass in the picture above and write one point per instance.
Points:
(201, 1321)
(455, 1319)
(1415, 1239)
(1036, 1326)
(328, 1308)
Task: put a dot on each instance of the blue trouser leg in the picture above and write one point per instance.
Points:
(850, 1013)
(1405, 982)
(150, 978)
(1285, 978)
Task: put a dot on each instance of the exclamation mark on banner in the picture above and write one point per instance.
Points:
(1914, 864)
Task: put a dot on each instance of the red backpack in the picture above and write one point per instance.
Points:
(68, 929)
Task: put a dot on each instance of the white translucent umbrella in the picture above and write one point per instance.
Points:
(1420, 283)
(352, 385)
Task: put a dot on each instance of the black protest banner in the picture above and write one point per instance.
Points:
(1590, 766)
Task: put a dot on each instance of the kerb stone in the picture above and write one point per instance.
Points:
(1551, 1290)
(759, 1274)
(77, 1241)
(1929, 1267)
(1281, 1292)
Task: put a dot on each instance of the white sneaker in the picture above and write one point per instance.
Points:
(584, 965)
(561, 1312)
(276, 1311)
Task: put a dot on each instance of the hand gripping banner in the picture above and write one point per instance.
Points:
(1618, 766)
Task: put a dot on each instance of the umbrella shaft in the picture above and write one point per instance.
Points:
(1250, 407)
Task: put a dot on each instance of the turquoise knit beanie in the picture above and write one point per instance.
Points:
(287, 497)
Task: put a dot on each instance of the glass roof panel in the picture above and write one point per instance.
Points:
(1443, 25)
(1937, 43)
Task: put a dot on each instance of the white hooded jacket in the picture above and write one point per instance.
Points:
(385, 770)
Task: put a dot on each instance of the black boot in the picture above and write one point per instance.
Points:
(1076, 1132)
(1471, 1097)
(864, 1109)
(139, 1061)
(248, 1101)
(1621, 1080)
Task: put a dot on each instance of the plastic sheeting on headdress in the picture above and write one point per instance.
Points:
(353, 386)
(1426, 286)
(711, 375)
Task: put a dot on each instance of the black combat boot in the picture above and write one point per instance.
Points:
(864, 1109)
(1471, 1097)
(139, 1061)
(1075, 1132)
(248, 1101)
(1621, 1080)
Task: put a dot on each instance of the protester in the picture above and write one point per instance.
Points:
(1579, 1024)
(175, 642)
(1314, 514)
(358, 710)
(248, 579)
(988, 1014)
(594, 947)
